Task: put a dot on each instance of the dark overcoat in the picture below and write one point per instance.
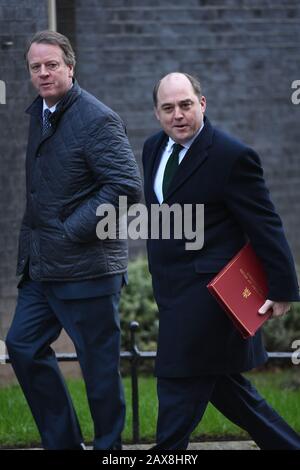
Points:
(195, 334)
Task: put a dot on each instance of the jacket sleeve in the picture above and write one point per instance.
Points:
(115, 171)
(247, 197)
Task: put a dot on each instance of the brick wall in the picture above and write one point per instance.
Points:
(18, 20)
(245, 52)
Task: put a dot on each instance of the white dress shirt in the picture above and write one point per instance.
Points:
(163, 161)
(52, 109)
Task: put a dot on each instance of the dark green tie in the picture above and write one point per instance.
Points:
(171, 167)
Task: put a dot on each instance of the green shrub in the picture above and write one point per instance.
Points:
(279, 333)
(137, 303)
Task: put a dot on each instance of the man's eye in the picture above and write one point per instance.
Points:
(168, 109)
(52, 65)
(35, 68)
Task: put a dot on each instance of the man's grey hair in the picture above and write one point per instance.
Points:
(56, 39)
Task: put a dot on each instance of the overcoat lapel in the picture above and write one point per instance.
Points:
(194, 158)
(154, 159)
(156, 156)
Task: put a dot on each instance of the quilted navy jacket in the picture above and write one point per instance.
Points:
(85, 160)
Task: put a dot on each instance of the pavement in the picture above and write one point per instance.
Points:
(208, 445)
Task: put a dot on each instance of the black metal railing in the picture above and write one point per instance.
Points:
(135, 356)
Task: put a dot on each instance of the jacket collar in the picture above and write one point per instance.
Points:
(35, 109)
(195, 156)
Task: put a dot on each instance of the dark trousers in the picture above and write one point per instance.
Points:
(182, 402)
(93, 326)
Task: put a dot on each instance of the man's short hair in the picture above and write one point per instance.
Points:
(56, 39)
(195, 82)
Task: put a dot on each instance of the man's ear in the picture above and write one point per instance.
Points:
(71, 71)
(203, 103)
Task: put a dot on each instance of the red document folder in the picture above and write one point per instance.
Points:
(241, 289)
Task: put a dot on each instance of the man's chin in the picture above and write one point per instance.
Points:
(50, 99)
(181, 137)
(45, 93)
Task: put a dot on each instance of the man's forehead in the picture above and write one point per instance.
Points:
(175, 90)
(44, 50)
(175, 96)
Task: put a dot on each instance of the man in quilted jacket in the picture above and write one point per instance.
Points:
(78, 158)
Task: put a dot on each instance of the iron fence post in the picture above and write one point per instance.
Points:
(134, 325)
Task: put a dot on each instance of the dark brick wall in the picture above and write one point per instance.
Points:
(246, 53)
(18, 20)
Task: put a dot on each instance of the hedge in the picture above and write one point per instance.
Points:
(137, 303)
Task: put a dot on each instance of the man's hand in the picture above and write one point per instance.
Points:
(278, 308)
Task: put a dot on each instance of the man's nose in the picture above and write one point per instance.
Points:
(43, 70)
(178, 113)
